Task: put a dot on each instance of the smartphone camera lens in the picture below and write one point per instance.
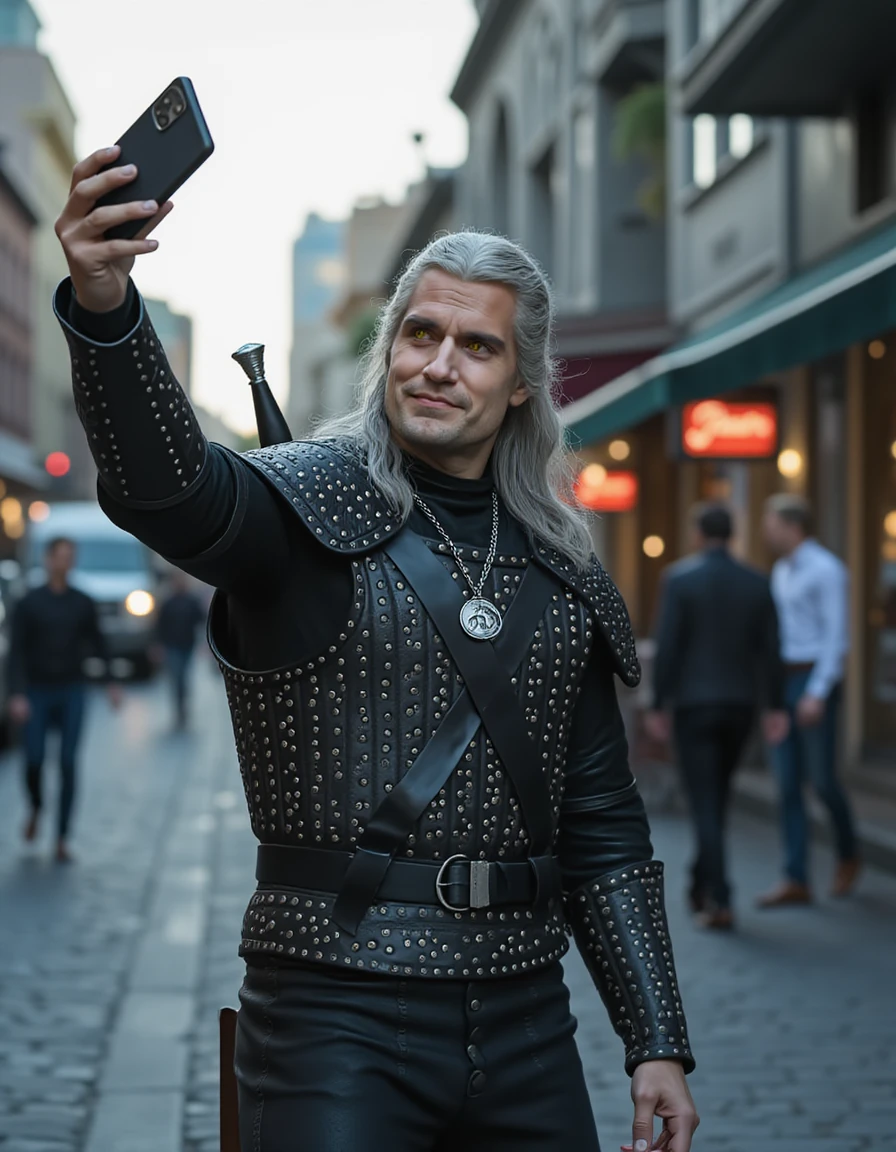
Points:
(162, 119)
(177, 108)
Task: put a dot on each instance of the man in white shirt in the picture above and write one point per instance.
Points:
(810, 586)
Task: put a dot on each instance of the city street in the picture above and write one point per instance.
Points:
(113, 968)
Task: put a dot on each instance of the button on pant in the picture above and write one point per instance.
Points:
(339, 1061)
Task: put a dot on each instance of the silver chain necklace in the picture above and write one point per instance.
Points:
(479, 618)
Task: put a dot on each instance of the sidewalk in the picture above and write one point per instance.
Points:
(114, 969)
(875, 814)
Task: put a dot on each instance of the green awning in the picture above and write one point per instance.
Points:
(847, 299)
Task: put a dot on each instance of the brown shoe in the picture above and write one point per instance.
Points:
(787, 892)
(718, 919)
(30, 831)
(845, 877)
(63, 855)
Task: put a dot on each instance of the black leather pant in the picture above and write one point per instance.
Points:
(333, 1061)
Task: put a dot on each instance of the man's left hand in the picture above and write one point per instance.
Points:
(809, 711)
(659, 1089)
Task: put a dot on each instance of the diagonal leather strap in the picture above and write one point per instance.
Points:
(395, 817)
(486, 680)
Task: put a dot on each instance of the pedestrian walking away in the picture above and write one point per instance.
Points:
(810, 586)
(179, 618)
(717, 665)
(419, 649)
(55, 628)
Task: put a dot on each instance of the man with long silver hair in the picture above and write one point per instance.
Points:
(419, 650)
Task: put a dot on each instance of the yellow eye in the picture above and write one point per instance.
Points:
(420, 333)
(475, 345)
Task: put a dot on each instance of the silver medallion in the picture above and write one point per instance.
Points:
(480, 619)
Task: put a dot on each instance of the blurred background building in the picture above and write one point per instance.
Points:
(20, 476)
(711, 185)
(781, 226)
(37, 127)
(318, 274)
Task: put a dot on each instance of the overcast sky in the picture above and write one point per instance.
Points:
(311, 104)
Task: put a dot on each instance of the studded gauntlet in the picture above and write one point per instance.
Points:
(619, 923)
(142, 433)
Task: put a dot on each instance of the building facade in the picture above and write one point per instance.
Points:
(781, 225)
(318, 277)
(543, 87)
(20, 477)
(37, 130)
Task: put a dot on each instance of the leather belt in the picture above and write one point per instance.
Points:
(457, 883)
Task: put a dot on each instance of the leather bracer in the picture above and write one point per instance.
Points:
(619, 923)
(143, 435)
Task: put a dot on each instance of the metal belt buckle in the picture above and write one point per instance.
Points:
(480, 874)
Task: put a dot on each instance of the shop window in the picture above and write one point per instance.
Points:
(542, 211)
(879, 466)
(502, 176)
(716, 143)
(872, 132)
(740, 136)
(706, 19)
(583, 209)
(705, 158)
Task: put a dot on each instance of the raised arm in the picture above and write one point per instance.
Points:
(158, 476)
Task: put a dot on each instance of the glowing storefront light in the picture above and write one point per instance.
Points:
(654, 546)
(790, 463)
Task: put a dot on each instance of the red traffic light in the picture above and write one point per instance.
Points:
(57, 464)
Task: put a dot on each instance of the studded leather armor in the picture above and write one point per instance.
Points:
(321, 743)
(152, 404)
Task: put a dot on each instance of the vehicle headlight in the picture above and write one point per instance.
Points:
(139, 603)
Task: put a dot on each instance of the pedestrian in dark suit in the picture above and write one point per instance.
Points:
(717, 664)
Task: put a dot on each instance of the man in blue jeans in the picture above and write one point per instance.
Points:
(810, 587)
(54, 629)
(177, 627)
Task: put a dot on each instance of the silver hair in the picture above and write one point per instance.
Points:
(529, 465)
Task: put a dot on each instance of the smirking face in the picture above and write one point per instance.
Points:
(452, 372)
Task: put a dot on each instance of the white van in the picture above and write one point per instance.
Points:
(113, 568)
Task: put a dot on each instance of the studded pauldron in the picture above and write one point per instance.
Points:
(619, 923)
(143, 435)
(328, 486)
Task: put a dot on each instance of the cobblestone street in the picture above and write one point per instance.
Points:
(113, 968)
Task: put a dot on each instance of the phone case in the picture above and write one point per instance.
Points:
(166, 156)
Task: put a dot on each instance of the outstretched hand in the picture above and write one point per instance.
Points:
(659, 1088)
(99, 267)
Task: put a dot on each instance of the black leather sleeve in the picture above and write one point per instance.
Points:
(619, 924)
(613, 888)
(148, 447)
(603, 824)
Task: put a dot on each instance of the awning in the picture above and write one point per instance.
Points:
(847, 299)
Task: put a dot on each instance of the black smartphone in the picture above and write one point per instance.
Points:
(167, 143)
